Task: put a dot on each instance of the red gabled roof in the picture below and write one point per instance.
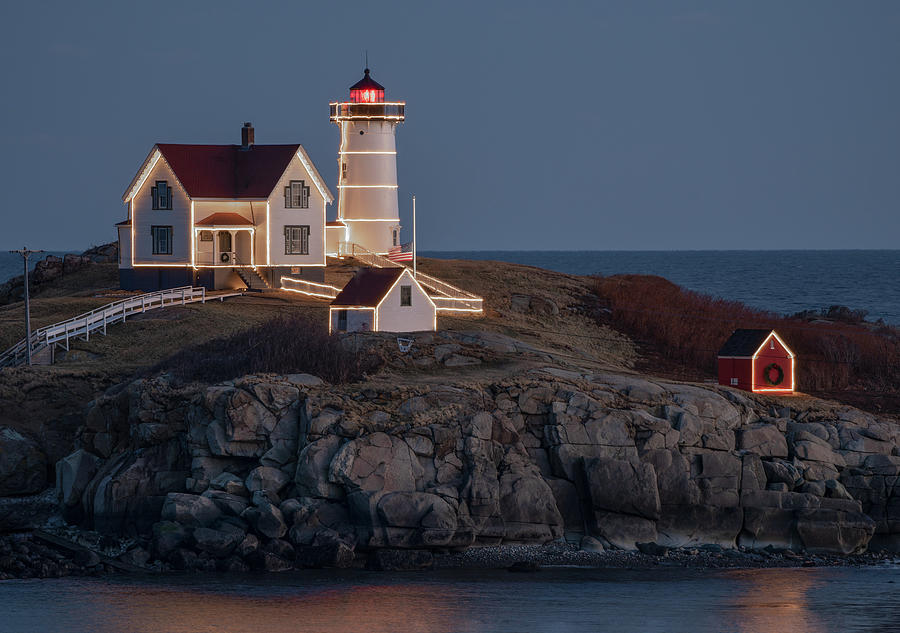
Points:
(224, 219)
(368, 287)
(228, 171)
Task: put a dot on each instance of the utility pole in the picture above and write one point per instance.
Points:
(415, 272)
(25, 253)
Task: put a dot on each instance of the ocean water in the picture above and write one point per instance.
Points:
(782, 281)
(662, 600)
(785, 282)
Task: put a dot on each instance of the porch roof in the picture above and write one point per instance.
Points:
(224, 219)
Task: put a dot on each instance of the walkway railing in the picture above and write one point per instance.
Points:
(447, 298)
(97, 320)
(312, 289)
(366, 256)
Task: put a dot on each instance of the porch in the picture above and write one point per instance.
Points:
(224, 240)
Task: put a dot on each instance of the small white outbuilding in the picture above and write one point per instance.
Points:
(382, 300)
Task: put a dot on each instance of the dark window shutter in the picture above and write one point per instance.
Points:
(287, 197)
(153, 197)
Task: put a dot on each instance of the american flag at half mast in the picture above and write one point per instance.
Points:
(401, 253)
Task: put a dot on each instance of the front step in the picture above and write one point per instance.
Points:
(254, 281)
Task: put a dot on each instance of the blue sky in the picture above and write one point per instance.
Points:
(530, 125)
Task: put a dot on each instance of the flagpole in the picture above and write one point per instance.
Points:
(415, 273)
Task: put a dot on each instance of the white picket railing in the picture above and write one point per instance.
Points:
(447, 298)
(97, 320)
(321, 291)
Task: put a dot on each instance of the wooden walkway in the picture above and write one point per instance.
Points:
(446, 298)
(45, 339)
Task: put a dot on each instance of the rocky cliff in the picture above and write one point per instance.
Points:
(275, 471)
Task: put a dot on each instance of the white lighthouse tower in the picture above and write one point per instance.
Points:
(367, 166)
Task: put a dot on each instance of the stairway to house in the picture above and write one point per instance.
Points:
(253, 279)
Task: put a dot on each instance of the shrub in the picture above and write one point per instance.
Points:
(285, 344)
(688, 328)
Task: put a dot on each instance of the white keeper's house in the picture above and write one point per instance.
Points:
(223, 216)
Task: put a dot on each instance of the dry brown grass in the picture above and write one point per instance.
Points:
(573, 332)
(686, 329)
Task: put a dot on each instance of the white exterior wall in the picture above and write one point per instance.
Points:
(358, 319)
(124, 246)
(378, 204)
(279, 217)
(418, 317)
(178, 217)
(334, 235)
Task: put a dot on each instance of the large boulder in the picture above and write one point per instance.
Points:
(763, 439)
(834, 532)
(218, 543)
(415, 519)
(624, 531)
(190, 510)
(376, 462)
(266, 478)
(73, 474)
(23, 467)
(623, 487)
(528, 508)
(266, 519)
(311, 477)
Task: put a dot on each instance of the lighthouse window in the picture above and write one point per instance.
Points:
(296, 195)
(296, 240)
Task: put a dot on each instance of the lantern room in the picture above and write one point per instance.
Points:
(367, 90)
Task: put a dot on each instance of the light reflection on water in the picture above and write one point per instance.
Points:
(647, 601)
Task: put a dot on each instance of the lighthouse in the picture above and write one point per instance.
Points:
(367, 166)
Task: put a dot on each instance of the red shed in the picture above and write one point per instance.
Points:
(758, 361)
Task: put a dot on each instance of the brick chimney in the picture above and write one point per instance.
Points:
(247, 135)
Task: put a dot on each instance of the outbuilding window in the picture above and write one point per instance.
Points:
(161, 195)
(296, 240)
(162, 240)
(342, 321)
(405, 295)
(296, 195)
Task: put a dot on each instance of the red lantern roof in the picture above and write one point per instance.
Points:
(367, 90)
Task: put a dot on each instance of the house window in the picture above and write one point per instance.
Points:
(342, 321)
(296, 195)
(162, 240)
(206, 236)
(296, 240)
(161, 195)
(405, 295)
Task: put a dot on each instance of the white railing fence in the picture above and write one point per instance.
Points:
(321, 291)
(447, 298)
(97, 320)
